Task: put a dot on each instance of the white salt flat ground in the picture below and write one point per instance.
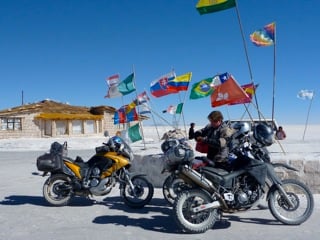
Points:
(25, 215)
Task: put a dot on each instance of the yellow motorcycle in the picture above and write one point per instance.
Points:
(95, 177)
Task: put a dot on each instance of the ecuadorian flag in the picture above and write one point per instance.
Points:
(180, 83)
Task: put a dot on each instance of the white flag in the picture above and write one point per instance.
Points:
(305, 94)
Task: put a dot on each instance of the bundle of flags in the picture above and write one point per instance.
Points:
(141, 101)
(223, 89)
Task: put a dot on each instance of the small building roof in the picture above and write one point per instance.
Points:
(49, 109)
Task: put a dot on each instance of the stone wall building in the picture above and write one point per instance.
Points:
(48, 118)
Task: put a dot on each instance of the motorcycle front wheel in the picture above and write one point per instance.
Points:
(190, 221)
(57, 190)
(300, 197)
(141, 193)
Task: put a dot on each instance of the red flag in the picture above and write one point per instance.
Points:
(229, 93)
(250, 90)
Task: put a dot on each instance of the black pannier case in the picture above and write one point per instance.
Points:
(50, 162)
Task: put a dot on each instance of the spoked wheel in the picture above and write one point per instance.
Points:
(57, 190)
(171, 187)
(189, 220)
(140, 195)
(300, 207)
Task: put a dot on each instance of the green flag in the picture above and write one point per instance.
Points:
(134, 133)
(201, 89)
(179, 108)
(210, 6)
(126, 86)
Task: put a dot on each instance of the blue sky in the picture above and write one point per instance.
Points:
(65, 49)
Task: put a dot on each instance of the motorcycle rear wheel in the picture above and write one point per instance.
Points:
(189, 221)
(171, 187)
(57, 190)
(300, 196)
(140, 195)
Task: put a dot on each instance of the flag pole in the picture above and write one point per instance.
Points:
(184, 123)
(274, 71)
(155, 124)
(183, 103)
(247, 56)
(305, 128)
(139, 120)
(149, 108)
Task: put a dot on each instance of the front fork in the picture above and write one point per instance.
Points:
(127, 180)
(284, 195)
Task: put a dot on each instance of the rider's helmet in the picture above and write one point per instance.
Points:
(243, 128)
(117, 141)
(263, 134)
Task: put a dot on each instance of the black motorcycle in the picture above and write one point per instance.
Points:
(214, 191)
(241, 139)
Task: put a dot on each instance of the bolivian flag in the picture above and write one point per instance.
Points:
(210, 6)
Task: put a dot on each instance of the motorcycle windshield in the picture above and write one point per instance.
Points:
(126, 150)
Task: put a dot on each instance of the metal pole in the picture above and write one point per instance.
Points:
(305, 128)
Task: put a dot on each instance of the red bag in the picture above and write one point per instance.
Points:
(202, 147)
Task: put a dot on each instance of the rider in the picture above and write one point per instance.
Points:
(216, 134)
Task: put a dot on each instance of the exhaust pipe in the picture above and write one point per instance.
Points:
(198, 178)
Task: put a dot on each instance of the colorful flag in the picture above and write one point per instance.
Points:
(180, 83)
(144, 108)
(119, 116)
(174, 109)
(220, 78)
(134, 133)
(228, 92)
(122, 116)
(142, 98)
(113, 80)
(305, 94)
(250, 90)
(202, 89)
(210, 6)
(159, 87)
(127, 86)
(113, 92)
(131, 106)
(264, 37)
(171, 109)
(132, 115)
